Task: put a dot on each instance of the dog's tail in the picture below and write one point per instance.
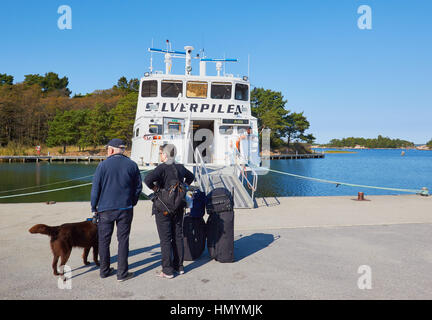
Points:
(44, 229)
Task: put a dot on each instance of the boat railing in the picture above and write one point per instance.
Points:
(202, 173)
(240, 171)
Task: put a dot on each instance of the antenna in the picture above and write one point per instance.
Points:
(224, 64)
(151, 60)
(167, 51)
(248, 65)
(187, 55)
(219, 63)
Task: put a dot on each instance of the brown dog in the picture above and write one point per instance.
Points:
(68, 235)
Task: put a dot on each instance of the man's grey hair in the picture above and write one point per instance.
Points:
(117, 150)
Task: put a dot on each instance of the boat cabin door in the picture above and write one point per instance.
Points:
(202, 137)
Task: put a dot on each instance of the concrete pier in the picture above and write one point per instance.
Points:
(287, 248)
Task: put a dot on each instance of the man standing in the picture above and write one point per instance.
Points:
(116, 188)
(169, 226)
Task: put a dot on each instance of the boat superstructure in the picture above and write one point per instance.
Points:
(207, 118)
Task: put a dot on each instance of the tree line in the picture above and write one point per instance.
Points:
(379, 142)
(40, 110)
(268, 107)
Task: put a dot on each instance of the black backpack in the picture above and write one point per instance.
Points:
(172, 197)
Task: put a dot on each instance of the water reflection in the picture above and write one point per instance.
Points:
(37, 171)
(385, 168)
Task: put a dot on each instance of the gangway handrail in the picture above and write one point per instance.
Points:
(200, 165)
(252, 186)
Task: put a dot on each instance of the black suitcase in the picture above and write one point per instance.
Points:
(220, 225)
(194, 237)
(198, 204)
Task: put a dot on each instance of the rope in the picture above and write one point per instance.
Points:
(45, 191)
(48, 184)
(52, 190)
(349, 184)
(423, 192)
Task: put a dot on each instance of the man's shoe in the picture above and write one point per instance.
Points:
(129, 275)
(110, 273)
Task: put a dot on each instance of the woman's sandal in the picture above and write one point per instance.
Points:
(163, 275)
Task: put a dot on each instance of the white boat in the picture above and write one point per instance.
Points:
(207, 118)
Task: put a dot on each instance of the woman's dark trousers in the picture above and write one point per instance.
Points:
(170, 230)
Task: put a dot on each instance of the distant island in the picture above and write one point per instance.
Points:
(375, 143)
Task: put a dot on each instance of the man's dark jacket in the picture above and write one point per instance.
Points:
(117, 184)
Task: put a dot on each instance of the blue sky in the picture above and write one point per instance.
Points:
(348, 82)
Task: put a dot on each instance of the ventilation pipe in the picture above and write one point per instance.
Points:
(188, 66)
(168, 63)
(202, 68)
(218, 67)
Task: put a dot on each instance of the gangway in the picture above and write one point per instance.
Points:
(233, 177)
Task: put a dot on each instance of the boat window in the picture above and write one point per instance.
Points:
(149, 89)
(171, 88)
(137, 132)
(155, 128)
(174, 128)
(196, 89)
(226, 129)
(241, 92)
(221, 90)
(173, 125)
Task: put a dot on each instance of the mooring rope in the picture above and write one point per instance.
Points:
(45, 191)
(337, 183)
(52, 190)
(48, 184)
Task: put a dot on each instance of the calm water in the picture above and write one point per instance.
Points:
(385, 168)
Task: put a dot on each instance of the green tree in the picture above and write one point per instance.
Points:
(49, 82)
(94, 131)
(6, 79)
(429, 144)
(64, 129)
(379, 142)
(296, 125)
(123, 118)
(122, 83)
(134, 84)
(127, 86)
(31, 79)
(9, 114)
(269, 108)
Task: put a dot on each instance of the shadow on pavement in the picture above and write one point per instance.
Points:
(243, 247)
(248, 245)
(266, 202)
(156, 256)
